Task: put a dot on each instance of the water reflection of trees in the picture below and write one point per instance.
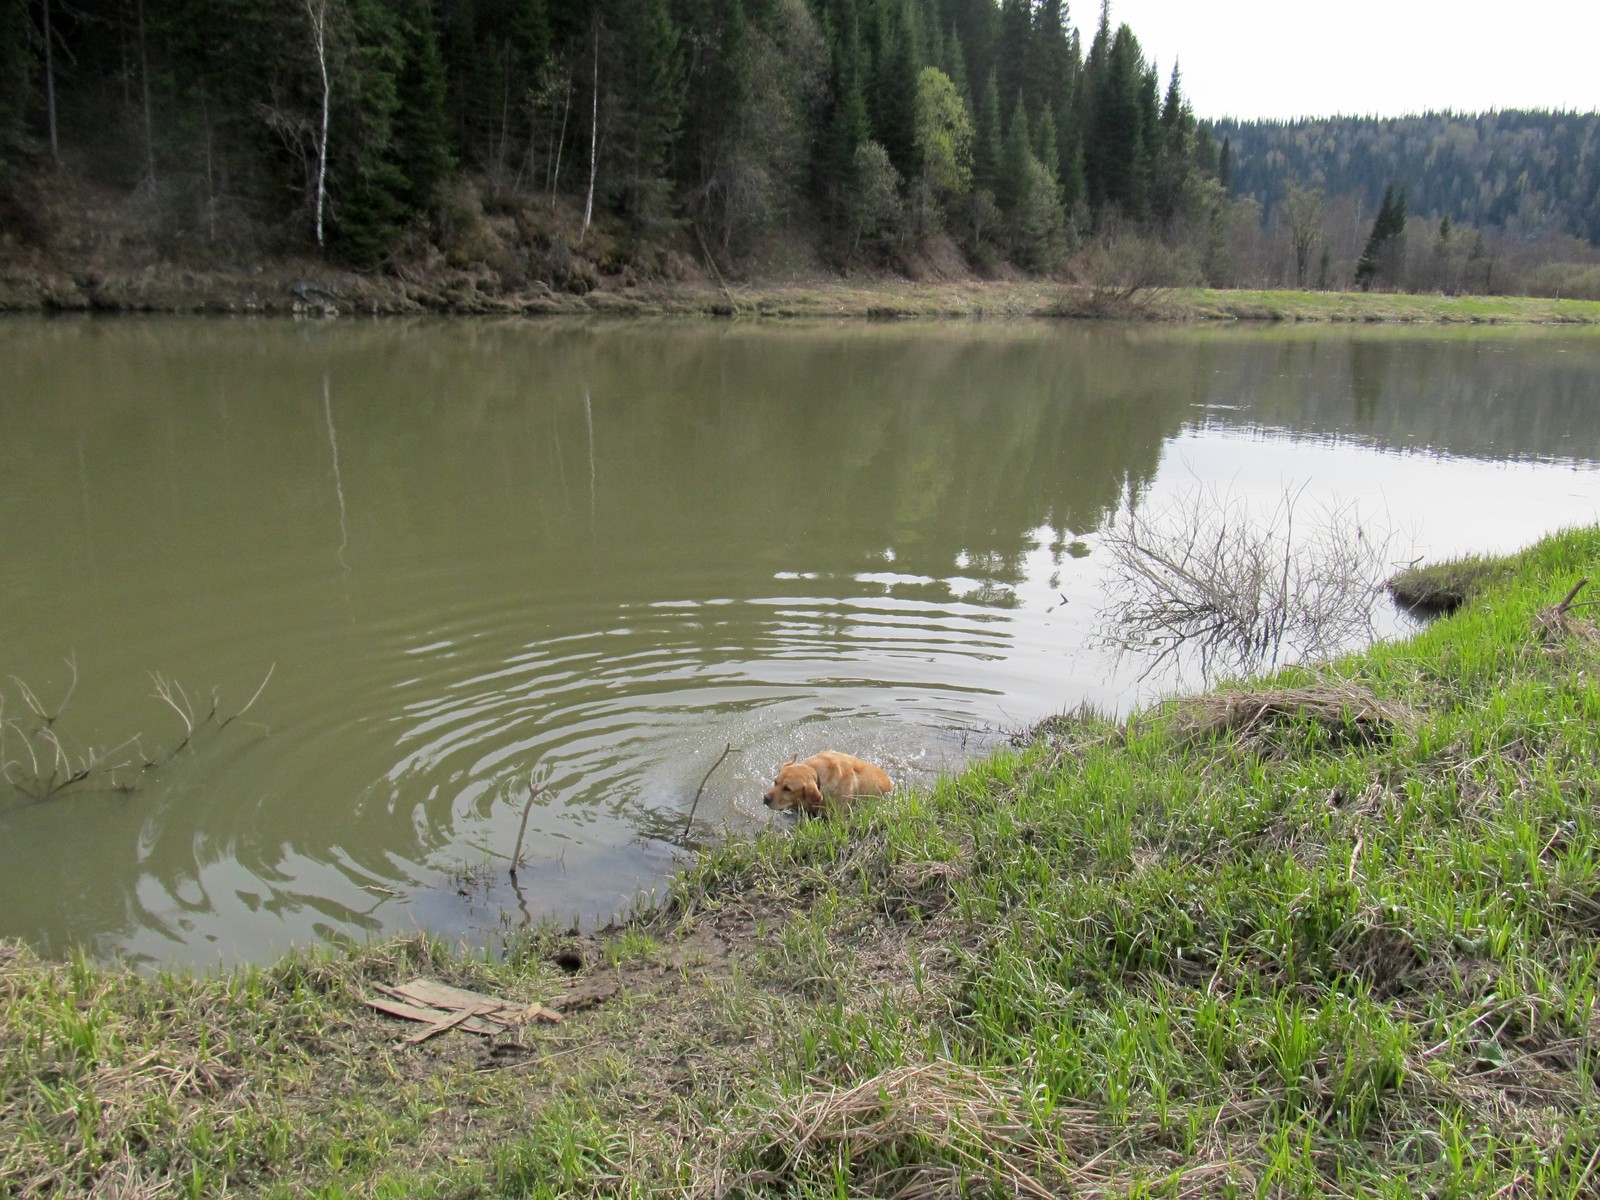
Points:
(192, 510)
(1518, 395)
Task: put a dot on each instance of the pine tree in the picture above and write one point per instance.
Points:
(17, 67)
(1385, 247)
(894, 88)
(1116, 149)
(986, 143)
(1046, 147)
(421, 146)
(1016, 161)
(848, 125)
(648, 98)
(1014, 50)
(954, 62)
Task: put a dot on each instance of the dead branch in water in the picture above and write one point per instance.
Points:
(688, 824)
(536, 787)
(1241, 591)
(37, 761)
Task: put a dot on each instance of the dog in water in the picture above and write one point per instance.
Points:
(825, 783)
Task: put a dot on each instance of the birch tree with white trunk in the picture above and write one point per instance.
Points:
(317, 14)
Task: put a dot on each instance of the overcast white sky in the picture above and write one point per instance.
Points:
(1294, 58)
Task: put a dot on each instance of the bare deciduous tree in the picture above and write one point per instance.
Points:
(1302, 214)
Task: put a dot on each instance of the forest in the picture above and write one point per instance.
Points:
(866, 126)
(1522, 173)
(561, 140)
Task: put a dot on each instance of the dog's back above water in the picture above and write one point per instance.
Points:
(825, 783)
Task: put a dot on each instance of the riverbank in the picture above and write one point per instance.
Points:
(1336, 932)
(309, 288)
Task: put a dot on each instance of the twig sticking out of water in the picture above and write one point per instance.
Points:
(536, 786)
(172, 693)
(49, 718)
(44, 765)
(727, 750)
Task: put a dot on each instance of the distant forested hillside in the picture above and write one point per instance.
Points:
(371, 126)
(1524, 174)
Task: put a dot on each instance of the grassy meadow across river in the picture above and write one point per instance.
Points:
(1333, 932)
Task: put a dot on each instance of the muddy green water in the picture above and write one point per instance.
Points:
(469, 549)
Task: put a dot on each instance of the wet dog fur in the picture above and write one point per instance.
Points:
(824, 783)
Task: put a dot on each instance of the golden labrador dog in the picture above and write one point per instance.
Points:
(826, 782)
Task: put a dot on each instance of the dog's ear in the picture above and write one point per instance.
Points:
(793, 758)
(811, 794)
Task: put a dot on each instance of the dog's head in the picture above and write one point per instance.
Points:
(795, 787)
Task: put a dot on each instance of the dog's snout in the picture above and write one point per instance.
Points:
(767, 799)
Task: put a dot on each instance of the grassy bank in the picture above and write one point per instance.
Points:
(1332, 933)
(311, 289)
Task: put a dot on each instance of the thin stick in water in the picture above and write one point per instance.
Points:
(727, 750)
(534, 789)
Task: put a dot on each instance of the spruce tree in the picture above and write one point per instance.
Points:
(1046, 146)
(1386, 244)
(649, 100)
(986, 142)
(17, 68)
(1116, 151)
(1016, 163)
(421, 146)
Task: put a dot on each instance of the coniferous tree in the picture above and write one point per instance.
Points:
(647, 109)
(1116, 149)
(1012, 69)
(1172, 154)
(17, 68)
(421, 131)
(848, 125)
(1016, 161)
(954, 64)
(1046, 146)
(986, 141)
(894, 87)
(1386, 244)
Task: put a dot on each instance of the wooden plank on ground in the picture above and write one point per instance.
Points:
(450, 1022)
(442, 1008)
(474, 1023)
(440, 995)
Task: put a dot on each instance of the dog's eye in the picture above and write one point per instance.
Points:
(786, 787)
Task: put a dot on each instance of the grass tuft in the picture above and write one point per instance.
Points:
(1436, 589)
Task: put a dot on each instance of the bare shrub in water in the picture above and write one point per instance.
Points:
(38, 761)
(1241, 590)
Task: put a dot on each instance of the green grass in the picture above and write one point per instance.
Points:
(1289, 305)
(1443, 587)
(1333, 933)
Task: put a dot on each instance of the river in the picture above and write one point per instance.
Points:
(465, 554)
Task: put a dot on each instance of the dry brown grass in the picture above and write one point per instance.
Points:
(1344, 713)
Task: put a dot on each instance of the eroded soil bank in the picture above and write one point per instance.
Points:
(311, 288)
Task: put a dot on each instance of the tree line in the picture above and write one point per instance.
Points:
(1524, 174)
(873, 124)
